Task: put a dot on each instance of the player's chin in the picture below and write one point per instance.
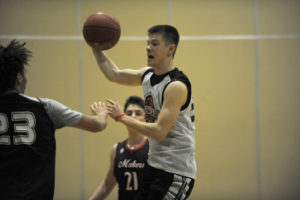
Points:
(150, 62)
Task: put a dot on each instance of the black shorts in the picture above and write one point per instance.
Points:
(160, 185)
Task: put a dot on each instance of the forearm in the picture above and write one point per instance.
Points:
(106, 65)
(102, 191)
(113, 73)
(100, 121)
(151, 130)
(92, 123)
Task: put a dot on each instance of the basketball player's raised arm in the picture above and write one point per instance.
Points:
(114, 74)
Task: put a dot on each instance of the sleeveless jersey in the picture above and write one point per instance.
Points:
(176, 152)
(27, 146)
(128, 168)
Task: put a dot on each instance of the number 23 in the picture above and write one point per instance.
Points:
(27, 127)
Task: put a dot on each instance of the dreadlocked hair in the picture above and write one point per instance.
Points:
(13, 58)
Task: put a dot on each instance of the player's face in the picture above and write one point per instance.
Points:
(135, 111)
(157, 50)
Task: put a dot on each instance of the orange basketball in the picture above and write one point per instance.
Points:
(102, 30)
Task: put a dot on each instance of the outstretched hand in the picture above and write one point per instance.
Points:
(114, 108)
(99, 108)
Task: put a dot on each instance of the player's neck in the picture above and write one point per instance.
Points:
(135, 139)
(163, 67)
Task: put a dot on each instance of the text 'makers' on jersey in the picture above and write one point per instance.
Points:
(128, 168)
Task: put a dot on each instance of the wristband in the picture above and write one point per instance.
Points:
(118, 116)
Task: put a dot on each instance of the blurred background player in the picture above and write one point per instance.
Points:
(169, 111)
(128, 159)
(27, 127)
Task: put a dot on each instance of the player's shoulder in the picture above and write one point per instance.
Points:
(33, 99)
(114, 148)
(16, 96)
(48, 101)
(177, 87)
(20, 99)
(120, 145)
(144, 71)
(177, 74)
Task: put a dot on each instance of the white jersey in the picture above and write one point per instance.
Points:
(176, 152)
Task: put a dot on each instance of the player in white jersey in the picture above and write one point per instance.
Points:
(169, 112)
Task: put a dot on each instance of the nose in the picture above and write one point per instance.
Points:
(148, 47)
(133, 115)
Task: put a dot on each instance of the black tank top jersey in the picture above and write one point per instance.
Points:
(128, 168)
(27, 150)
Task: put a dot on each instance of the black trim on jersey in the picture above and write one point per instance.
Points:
(155, 79)
(193, 118)
(136, 148)
(175, 75)
(146, 72)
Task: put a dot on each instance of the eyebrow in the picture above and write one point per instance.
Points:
(153, 40)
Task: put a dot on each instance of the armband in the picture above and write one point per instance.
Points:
(118, 116)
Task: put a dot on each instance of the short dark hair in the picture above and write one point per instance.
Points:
(168, 32)
(134, 100)
(13, 58)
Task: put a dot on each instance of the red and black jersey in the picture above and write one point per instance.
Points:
(128, 168)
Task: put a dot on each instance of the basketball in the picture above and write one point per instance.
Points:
(101, 30)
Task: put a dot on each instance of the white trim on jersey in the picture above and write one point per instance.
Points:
(179, 188)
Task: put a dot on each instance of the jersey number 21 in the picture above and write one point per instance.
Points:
(132, 181)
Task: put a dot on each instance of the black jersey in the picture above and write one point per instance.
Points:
(27, 149)
(128, 168)
(27, 145)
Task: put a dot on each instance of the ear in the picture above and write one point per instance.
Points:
(172, 48)
(19, 78)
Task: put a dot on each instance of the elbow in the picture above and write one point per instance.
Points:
(110, 78)
(160, 137)
(99, 127)
(114, 77)
(160, 133)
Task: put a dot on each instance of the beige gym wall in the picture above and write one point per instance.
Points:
(242, 57)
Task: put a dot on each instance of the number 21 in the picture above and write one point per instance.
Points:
(131, 177)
